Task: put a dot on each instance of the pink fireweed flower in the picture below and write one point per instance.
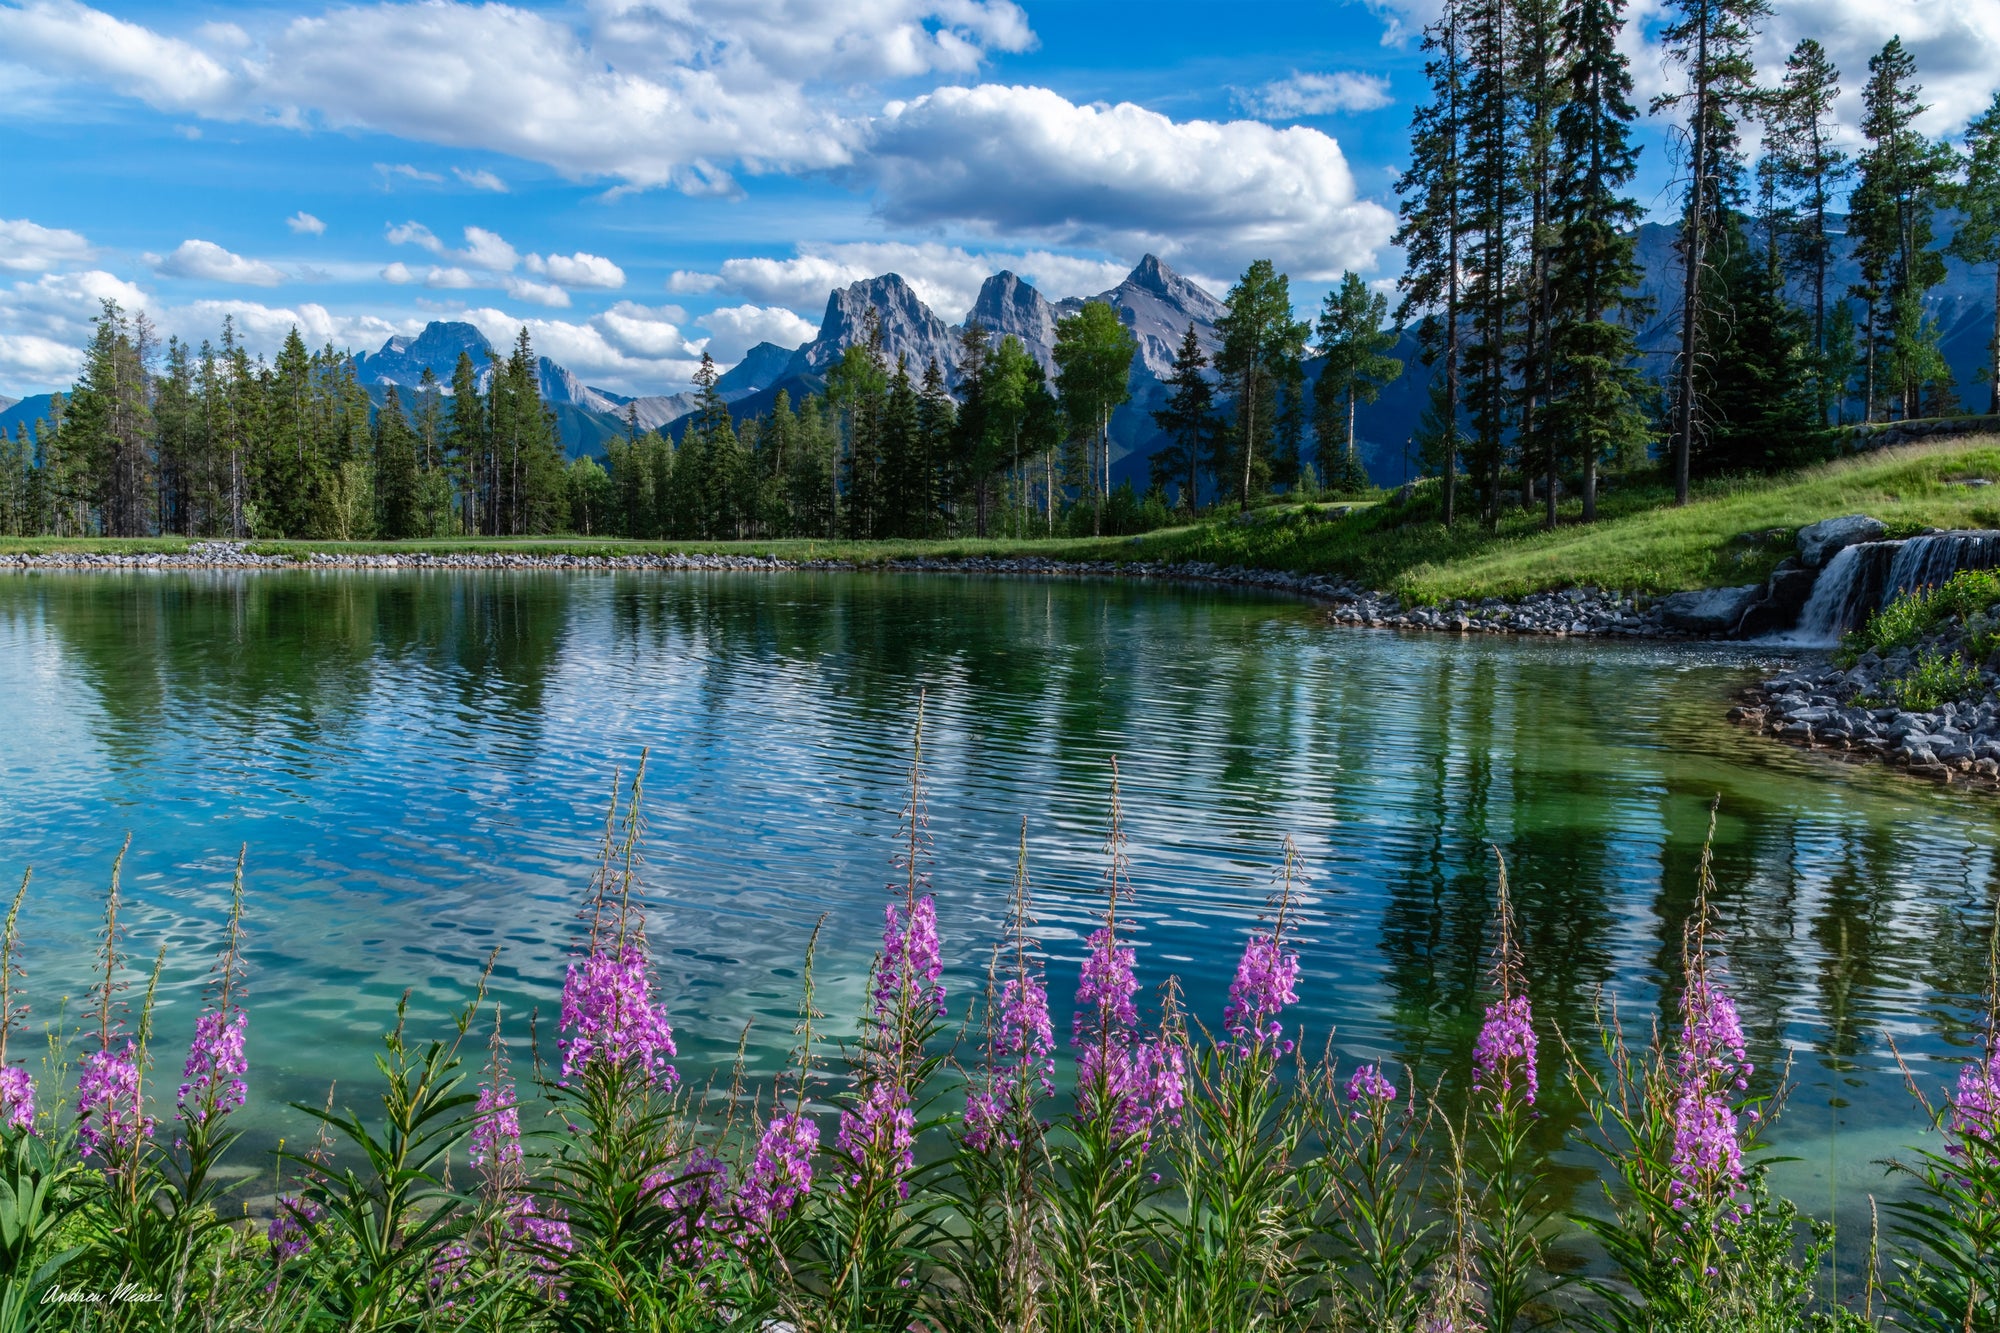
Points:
(782, 1172)
(110, 1119)
(1506, 1045)
(1023, 1067)
(546, 1238)
(1975, 1104)
(1368, 1089)
(17, 1098)
(880, 1132)
(1710, 1068)
(1263, 986)
(911, 959)
(216, 1064)
(1122, 1083)
(697, 1190)
(1104, 994)
(608, 1014)
(496, 1138)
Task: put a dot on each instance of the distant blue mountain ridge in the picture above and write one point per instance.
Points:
(1156, 303)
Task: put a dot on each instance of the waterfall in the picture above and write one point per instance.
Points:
(1869, 575)
(1844, 593)
(1926, 562)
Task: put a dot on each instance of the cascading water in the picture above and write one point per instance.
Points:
(1864, 577)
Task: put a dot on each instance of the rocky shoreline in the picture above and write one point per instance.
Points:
(1824, 706)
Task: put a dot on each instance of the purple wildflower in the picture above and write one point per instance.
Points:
(1975, 1103)
(496, 1138)
(881, 1131)
(110, 1119)
(1104, 994)
(17, 1098)
(290, 1232)
(911, 960)
(545, 1238)
(1506, 1043)
(1709, 1069)
(1023, 1068)
(1368, 1086)
(608, 1013)
(782, 1172)
(1263, 986)
(1123, 1082)
(216, 1064)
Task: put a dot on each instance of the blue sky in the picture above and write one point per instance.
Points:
(639, 180)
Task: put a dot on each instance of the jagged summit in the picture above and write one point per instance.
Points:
(403, 360)
(909, 329)
(1158, 304)
(1007, 304)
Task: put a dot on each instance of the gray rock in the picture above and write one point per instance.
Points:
(1710, 610)
(1818, 542)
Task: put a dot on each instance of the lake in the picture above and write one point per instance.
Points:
(420, 764)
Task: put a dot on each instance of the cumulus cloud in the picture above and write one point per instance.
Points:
(631, 348)
(206, 261)
(1028, 161)
(398, 273)
(735, 329)
(305, 224)
(65, 37)
(481, 179)
(484, 250)
(28, 247)
(44, 323)
(1316, 95)
(541, 293)
(449, 279)
(642, 332)
(578, 270)
(407, 172)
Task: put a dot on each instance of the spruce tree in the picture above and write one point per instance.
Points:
(1594, 415)
(1429, 228)
(905, 489)
(1711, 40)
(397, 501)
(468, 436)
(1809, 168)
(858, 385)
(936, 415)
(1977, 240)
(1188, 420)
(1489, 188)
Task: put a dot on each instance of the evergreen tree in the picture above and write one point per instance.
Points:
(1595, 414)
(1430, 230)
(1188, 420)
(1711, 40)
(905, 468)
(1902, 177)
(937, 415)
(1765, 409)
(1093, 356)
(1807, 165)
(109, 427)
(1978, 238)
(1261, 345)
(468, 439)
(177, 444)
(398, 514)
(1353, 347)
(857, 385)
(1541, 88)
(1489, 183)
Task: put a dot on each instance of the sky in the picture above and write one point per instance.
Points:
(639, 181)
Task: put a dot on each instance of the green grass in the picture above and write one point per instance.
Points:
(1733, 532)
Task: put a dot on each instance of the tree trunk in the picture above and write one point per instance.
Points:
(1692, 239)
(1249, 435)
(1993, 368)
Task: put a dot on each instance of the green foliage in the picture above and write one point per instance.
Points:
(1936, 677)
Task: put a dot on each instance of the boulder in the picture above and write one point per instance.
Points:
(1819, 542)
(1784, 597)
(1709, 610)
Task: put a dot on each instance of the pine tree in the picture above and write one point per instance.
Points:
(1540, 92)
(936, 416)
(177, 442)
(468, 437)
(1261, 344)
(1188, 420)
(1903, 177)
(905, 468)
(1489, 182)
(1766, 412)
(858, 385)
(1711, 40)
(1430, 230)
(397, 499)
(1595, 413)
(1353, 346)
(1809, 168)
(1977, 241)
(1093, 356)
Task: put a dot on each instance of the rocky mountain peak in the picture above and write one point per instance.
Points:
(1158, 304)
(1007, 305)
(909, 328)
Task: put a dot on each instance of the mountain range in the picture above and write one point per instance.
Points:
(1155, 302)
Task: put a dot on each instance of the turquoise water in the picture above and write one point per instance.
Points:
(420, 763)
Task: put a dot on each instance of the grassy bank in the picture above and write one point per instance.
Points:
(1732, 533)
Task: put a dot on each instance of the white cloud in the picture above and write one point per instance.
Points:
(541, 293)
(1210, 195)
(46, 322)
(484, 250)
(645, 332)
(208, 262)
(398, 273)
(305, 224)
(631, 348)
(1316, 95)
(408, 172)
(481, 179)
(449, 279)
(64, 37)
(578, 270)
(736, 329)
(685, 282)
(27, 247)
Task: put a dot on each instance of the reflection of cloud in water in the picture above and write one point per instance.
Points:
(420, 765)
